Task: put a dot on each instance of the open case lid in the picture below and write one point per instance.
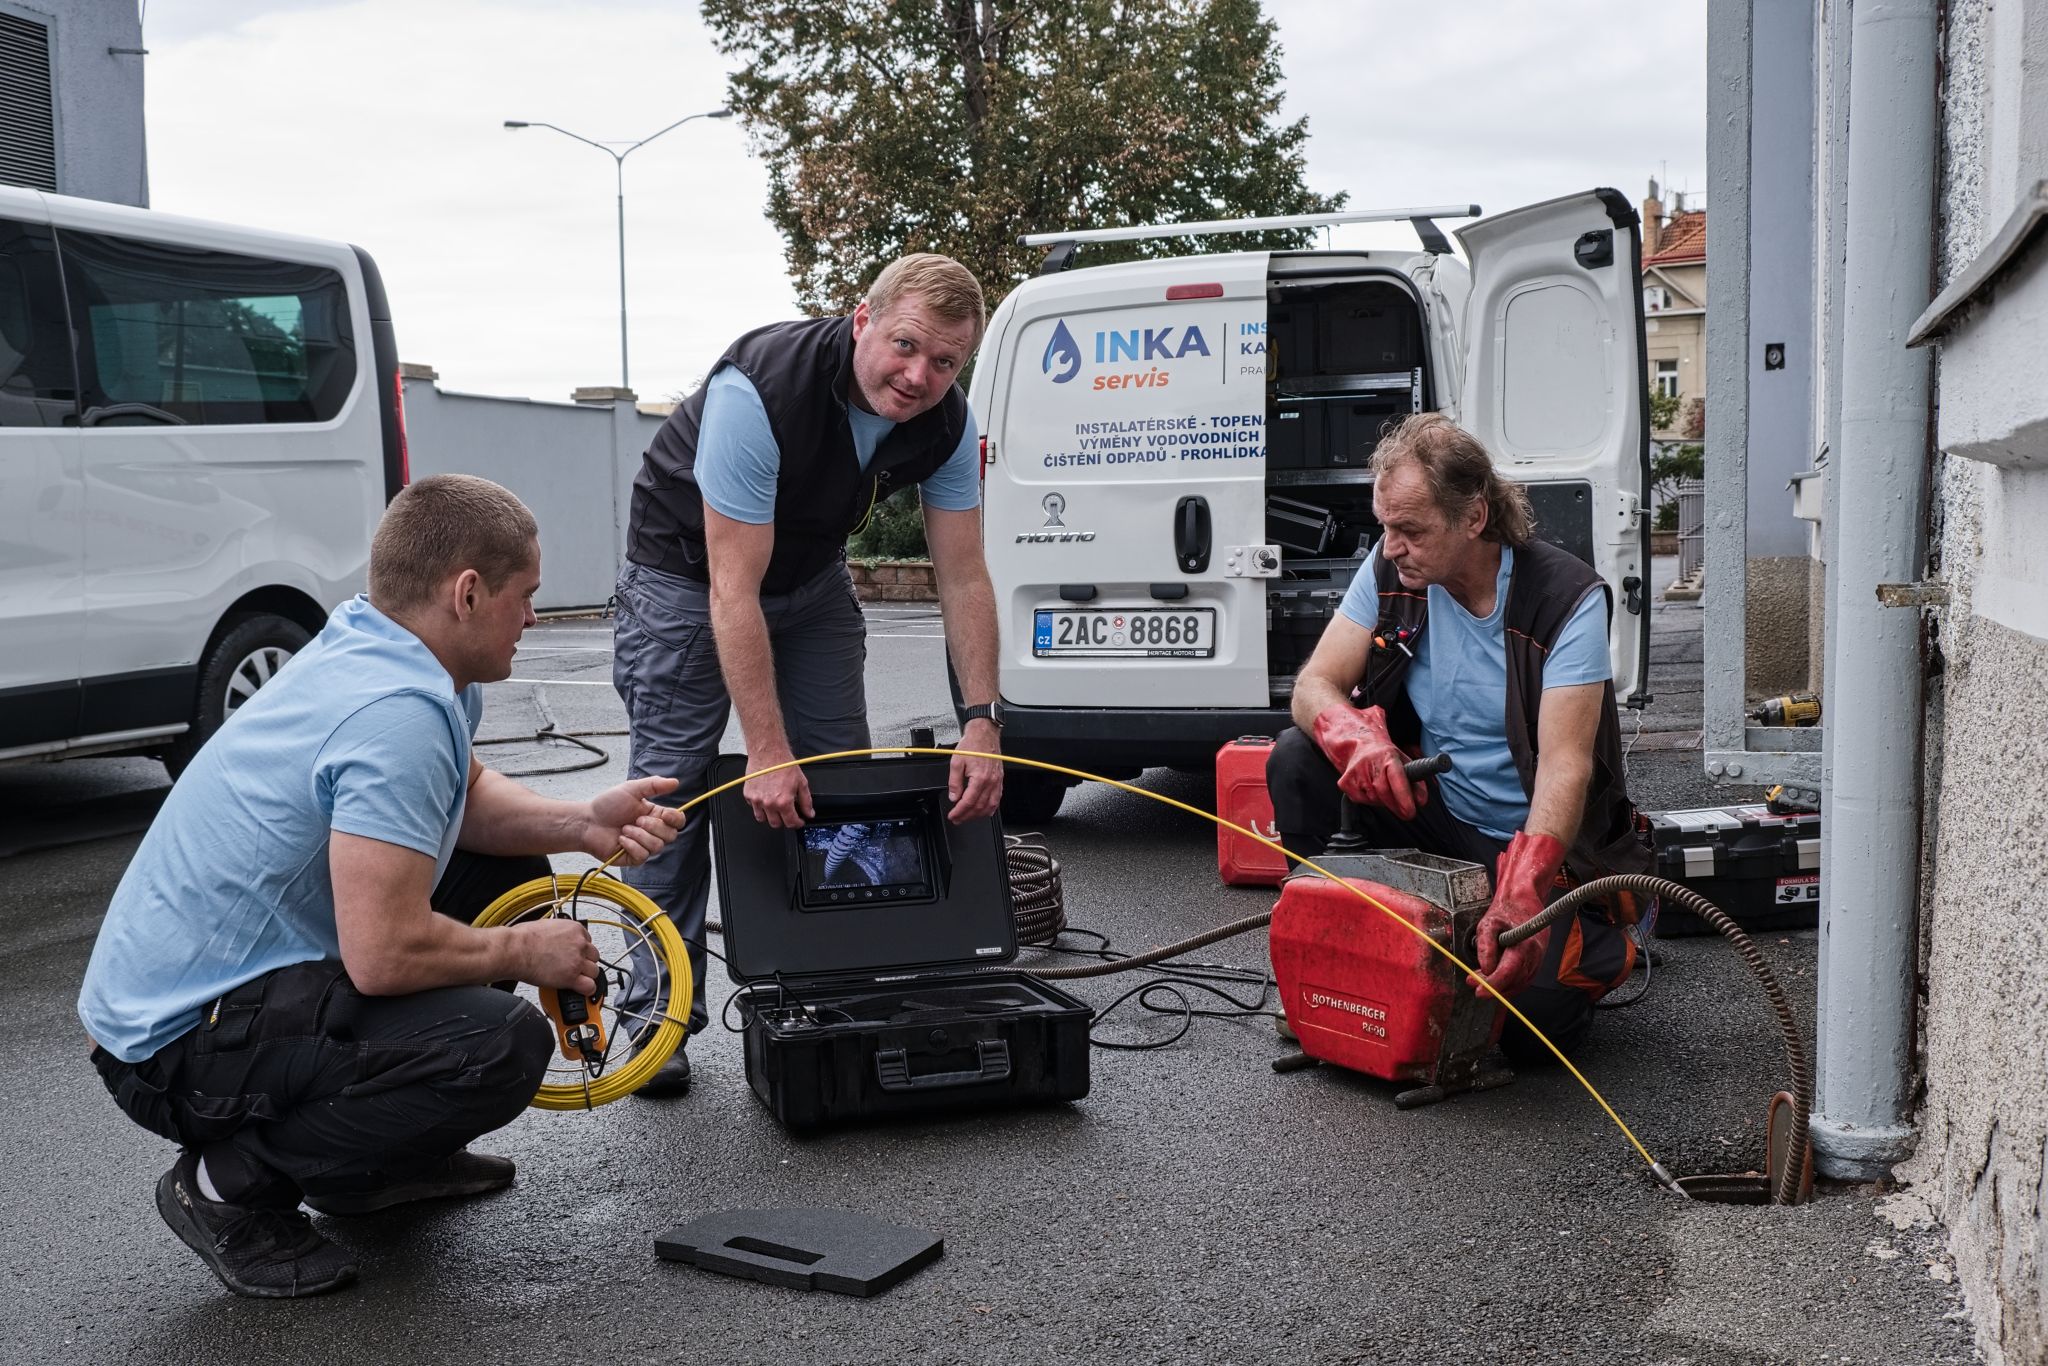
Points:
(880, 884)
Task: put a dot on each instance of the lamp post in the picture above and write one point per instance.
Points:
(618, 157)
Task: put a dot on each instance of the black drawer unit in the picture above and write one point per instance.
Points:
(1760, 867)
(870, 943)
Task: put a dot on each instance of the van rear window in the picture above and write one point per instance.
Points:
(177, 334)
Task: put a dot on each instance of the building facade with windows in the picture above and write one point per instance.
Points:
(1675, 309)
(71, 99)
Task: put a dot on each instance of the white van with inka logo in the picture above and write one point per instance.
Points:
(1176, 450)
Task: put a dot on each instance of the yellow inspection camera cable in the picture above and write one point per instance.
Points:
(546, 895)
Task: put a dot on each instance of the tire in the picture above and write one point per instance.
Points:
(249, 649)
(1031, 796)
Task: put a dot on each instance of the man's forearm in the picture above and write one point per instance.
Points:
(748, 665)
(1312, 697)
(505, 817)
(1559, 801)
(967, 602)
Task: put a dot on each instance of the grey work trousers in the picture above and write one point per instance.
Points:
(665, 667)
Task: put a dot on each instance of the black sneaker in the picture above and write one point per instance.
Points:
(465, 1173)
(672, 1078)
(261, 1250)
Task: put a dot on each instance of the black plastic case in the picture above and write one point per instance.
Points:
(864, 1003)
(1760, 867)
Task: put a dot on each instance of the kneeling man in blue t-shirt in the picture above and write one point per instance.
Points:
(287, 984)
(1463, 634)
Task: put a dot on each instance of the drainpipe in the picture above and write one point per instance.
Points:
(1862, 1121)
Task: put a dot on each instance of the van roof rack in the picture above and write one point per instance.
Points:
(1064, 243)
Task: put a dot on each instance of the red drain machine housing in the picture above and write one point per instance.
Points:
(1363, 991)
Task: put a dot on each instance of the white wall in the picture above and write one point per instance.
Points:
(572, 463)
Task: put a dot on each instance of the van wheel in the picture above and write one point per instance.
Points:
(1031, 795)
(249, 650)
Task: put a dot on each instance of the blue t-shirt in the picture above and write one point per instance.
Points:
(738, 460)
(1459, 686)
(361, 732)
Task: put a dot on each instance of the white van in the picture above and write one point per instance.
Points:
(1176, 491)
(199, 428)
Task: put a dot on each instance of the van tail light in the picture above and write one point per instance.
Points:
(398, 407)
(1210, 291)
(984, 457)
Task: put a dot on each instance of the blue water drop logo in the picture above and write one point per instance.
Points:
(1064, 351)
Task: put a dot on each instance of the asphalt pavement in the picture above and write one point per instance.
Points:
(1196, 1207)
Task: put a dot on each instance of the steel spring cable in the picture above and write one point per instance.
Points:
(1036, 899)
(1643, 884)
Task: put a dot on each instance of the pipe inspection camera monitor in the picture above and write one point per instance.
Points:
(895, 854)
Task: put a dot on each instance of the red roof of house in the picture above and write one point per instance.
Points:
(1684, 239)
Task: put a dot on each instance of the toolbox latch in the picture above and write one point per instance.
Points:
(892, 1069)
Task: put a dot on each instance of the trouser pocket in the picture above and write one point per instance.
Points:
(138, 1090)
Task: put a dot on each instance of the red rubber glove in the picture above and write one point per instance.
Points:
(1527, 870)
(1367, 759)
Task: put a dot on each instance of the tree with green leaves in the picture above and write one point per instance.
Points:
(954, 125)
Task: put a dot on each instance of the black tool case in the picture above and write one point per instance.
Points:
(1759, 866)
(857, 941)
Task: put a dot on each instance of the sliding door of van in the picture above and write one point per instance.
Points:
(233, 448)
(1126, 486)
(42, 501)
(1554, 386)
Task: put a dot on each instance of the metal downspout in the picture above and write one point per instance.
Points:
(1862, 1120)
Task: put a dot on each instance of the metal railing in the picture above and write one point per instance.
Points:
(1692, 527)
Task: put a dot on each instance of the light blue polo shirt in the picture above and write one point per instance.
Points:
(361, 732)
(1459, 686)
(738, 459)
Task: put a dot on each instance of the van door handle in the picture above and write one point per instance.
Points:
(1191, 533)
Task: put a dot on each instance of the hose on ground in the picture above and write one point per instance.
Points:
(1645, 885)
(1037, 899)
(1151, 956)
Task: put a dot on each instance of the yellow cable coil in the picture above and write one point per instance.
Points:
(639, 918)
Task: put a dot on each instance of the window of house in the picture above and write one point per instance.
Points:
(1656, 298)
(206, 336)
(1667, 378)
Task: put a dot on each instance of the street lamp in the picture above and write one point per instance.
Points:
(619, 162)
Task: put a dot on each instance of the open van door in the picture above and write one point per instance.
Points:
(1555, 387)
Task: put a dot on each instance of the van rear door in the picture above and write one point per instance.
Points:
(1554, 386)
(1126, 462)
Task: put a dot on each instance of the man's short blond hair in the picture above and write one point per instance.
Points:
(940, 283)
(441, 525)
(1460, 475)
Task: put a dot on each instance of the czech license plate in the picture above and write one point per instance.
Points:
(1138, 632)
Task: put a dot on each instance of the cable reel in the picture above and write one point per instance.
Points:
(607, 1049)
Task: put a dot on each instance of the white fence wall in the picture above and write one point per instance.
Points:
(572, 463)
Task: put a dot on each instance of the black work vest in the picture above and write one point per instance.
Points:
(1545, 587)
(803, 372)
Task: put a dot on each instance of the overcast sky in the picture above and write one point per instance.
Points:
(380, 122)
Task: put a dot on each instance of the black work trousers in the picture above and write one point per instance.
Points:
(298, 1084)
(1582, 961)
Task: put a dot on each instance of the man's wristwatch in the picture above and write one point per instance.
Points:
(991, 712)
